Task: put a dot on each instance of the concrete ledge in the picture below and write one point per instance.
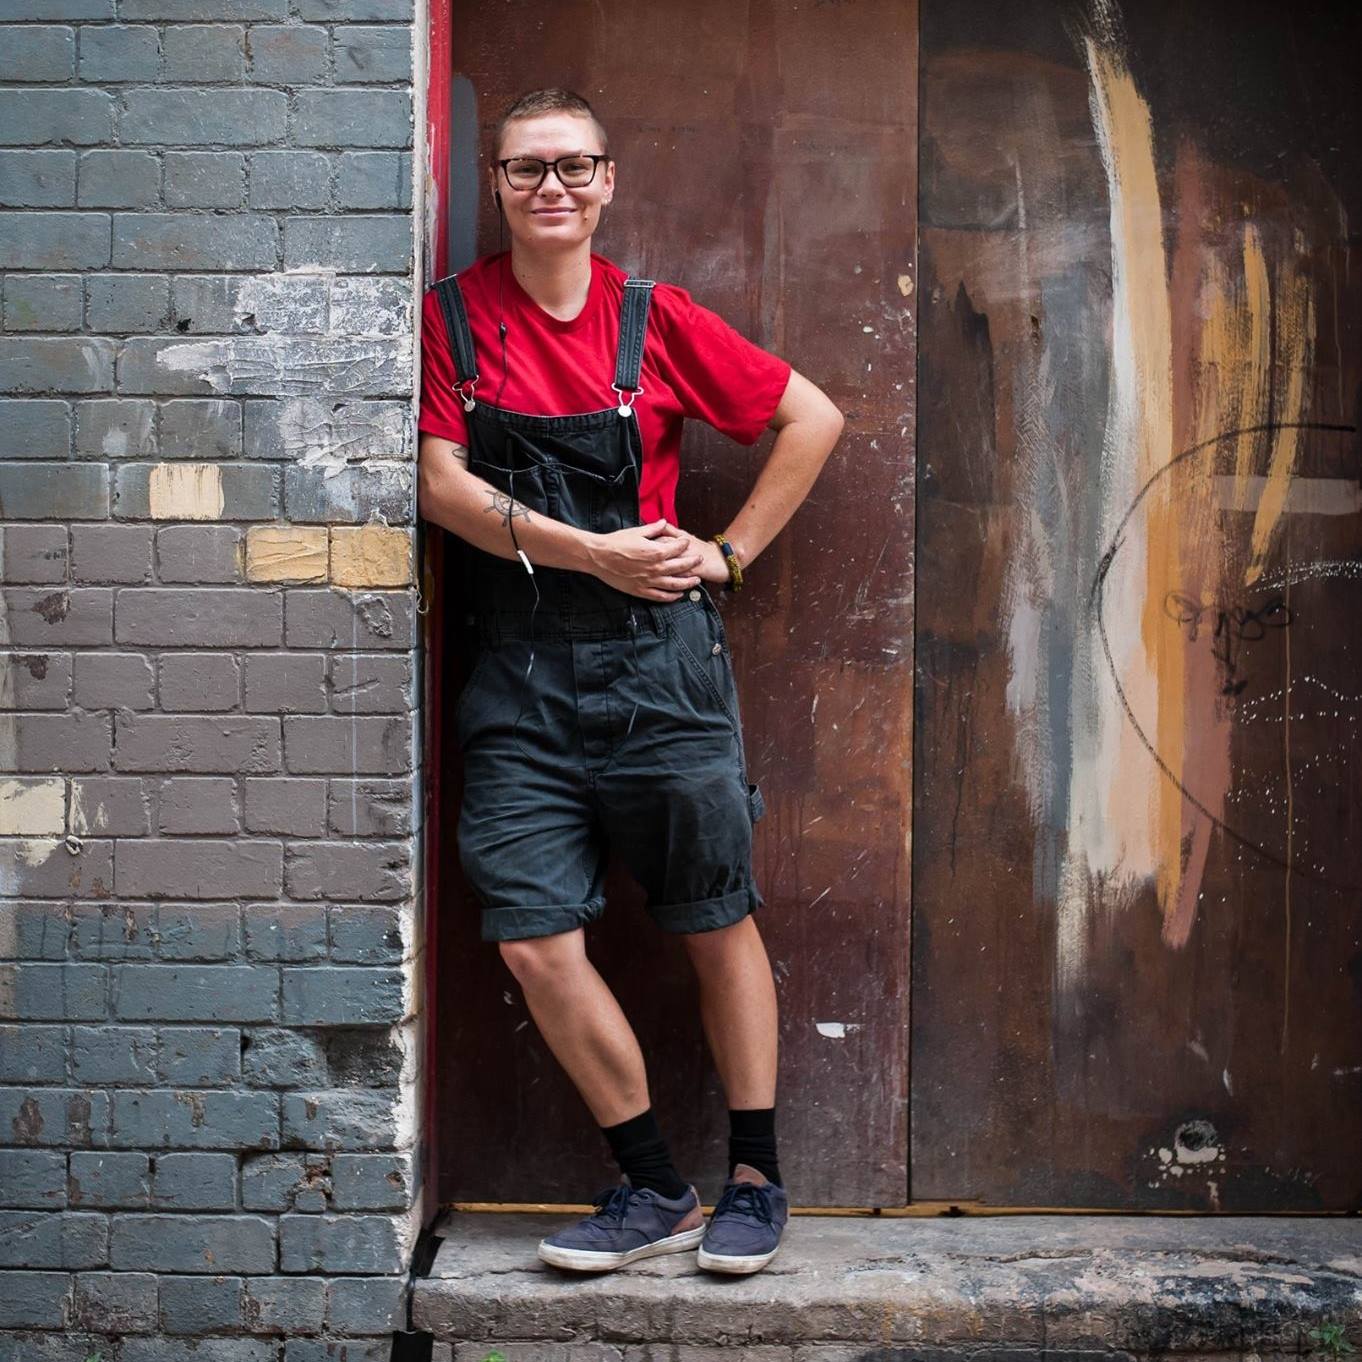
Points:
(999, 1288)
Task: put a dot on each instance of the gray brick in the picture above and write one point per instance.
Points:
(58, 491)
(199, 1305)
(34, 428)
(202, 682)
(365, 934)
(270, 1182)
(212, 10)
(192, 1119)
(308, 427)
(198, 931)
(113, 931)
(211, 993)
(344, 619)
(353, 496)
(342, 11)
(116, 1302)
(32, 117)
(115, 428)
(36, 53)
(196, 117)
(247, 493)
(53, 992)
(347, 745)
(285, 807)
(218, 1349)
(119, 53)
(340, 1243)
(54, 1116)
(113, 681)
(43, 364)
(287, 54)
(192, 428)
(205, 179)
(285, 931)
(32, 1054)
(373, 180)
(108, 1181)
(163, 742)
(282, 1059)
(114, 1054)
(194, 1182)
(44, 868)
(372, 1182)
(35, 680)
(378, 244)
(39, 1239)
(60, 743)
(360, 1305)
(198, 805)
(32, 1178)
(285, 1305)
(198, 1056)
(326, 1349)
(290, 179)
(204, 53)
(43, 302)
(32, 553)
(109, 806)
(39, 616)
(373, 56)
(181, 241)
(40, 179)
(36, 931)
(292, 303)
(371, 808)
(103, 554)
(286, 683)
(124, 303)
(352, 118)
(213, 617)
(192, 1243)
(198, 553)
(329, 870)
(341, 996)
(35, 1300)
(364, 684)
(113, 178)
(55, 240)
(373, 305)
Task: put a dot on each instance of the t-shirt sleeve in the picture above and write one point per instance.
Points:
(441, 411)
(718, 375)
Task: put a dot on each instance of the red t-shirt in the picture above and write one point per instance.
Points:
(694, 364)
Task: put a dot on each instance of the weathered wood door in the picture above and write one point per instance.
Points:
(1138, 853)
(766, 162)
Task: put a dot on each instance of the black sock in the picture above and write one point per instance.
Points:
(641, 1152)
(752, 1140)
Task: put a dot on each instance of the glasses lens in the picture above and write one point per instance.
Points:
(576, 171)
(524, 172)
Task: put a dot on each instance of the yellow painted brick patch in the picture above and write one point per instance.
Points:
(370, 555)
(188, 491)
(33, 807)
(286, 553)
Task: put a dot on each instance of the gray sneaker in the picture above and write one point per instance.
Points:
(744, 1231)
(627, 1224)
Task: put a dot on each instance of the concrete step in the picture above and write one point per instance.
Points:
(911, 1289)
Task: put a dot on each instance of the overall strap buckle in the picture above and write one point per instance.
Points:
(638, 295)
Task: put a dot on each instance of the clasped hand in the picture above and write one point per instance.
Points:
(659, 562)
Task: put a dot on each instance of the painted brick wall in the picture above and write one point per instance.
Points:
(208, 679)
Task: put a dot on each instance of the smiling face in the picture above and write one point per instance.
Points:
(553, 216)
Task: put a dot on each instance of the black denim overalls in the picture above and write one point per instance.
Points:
(591, 719)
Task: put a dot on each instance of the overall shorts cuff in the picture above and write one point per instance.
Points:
(707, 915)
(519, 924)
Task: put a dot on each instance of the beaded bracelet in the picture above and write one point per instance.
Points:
(734, 582)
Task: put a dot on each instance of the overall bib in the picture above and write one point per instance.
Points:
(591, 719)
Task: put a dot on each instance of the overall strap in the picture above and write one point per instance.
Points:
(638, 293)
(456, 324)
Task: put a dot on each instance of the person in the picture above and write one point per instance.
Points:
(600, 710)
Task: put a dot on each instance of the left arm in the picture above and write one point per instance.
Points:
(807, 426)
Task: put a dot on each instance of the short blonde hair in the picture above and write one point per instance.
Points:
(553, 100)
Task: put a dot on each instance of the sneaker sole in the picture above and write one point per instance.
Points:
(590, 1260)
(735, 1266)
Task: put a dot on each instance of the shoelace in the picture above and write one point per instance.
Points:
(745, 1198)
(612, 1203)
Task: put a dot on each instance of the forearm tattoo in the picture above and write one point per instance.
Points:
(506, 507)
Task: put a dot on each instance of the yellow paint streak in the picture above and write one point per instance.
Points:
(185, 491)
(1256, 359)
(286, 553)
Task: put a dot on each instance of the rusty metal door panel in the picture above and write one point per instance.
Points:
(767, 162)
(1138, 850)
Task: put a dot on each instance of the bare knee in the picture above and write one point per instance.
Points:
(543, 959)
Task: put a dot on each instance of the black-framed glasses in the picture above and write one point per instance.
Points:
(573, 172)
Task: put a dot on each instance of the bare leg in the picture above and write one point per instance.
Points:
(582, 1023)
(738, 1010)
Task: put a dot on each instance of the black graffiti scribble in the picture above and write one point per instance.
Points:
(1234, 625)
(1095, 604)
